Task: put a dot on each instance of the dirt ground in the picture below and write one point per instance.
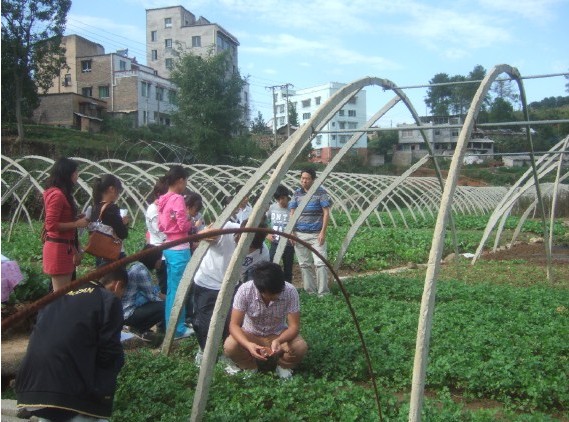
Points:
(534, 253)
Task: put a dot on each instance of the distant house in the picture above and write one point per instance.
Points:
(123, 85)
(70, 110)
(516, 160)
(442, 136)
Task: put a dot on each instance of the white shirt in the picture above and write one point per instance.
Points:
(216, 260)
(156, 237)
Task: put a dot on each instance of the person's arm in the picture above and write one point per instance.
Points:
(293, 322)
(112, 217)
(53, 209)
(325, 220)
(237, 317)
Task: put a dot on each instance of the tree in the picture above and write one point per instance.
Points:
(438, 97)
(258, 125)
(453, 98)
(383, 142)
(292, 115)
(209, 103)
(32, 54)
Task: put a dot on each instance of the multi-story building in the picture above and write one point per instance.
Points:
(127, 87)
(171, 30)
(442, 135)
(307, 101)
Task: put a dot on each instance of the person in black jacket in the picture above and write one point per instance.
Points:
(75, 354)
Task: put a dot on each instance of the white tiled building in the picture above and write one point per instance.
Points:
(307, 101)
(442, 138)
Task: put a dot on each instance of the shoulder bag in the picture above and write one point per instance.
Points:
(103, 242)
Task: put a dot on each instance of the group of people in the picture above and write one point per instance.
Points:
(70, 374)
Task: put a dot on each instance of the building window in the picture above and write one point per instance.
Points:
(341, 113)
(168, 42)
(167, 22)
(333, 137)
(343, 139)
(342, 125)
(305, 116)
(122, 65)
(104, 91)
(317, 101)
(281, 108)
(318, 140)
(196, 41)
(406, 133)
(156, 117)
(144, 117)
(352, 113)
(352, 100)
(85, 65)
(67, 80)
(87, 91)
(159, 93)
(154, 36)
(306, 103)
(352, 125)
(171, 96)
(145, 89)
(169, 64)
(154, 54)
(454, 132)
(281, 121)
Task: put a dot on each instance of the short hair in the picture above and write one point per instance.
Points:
(120, 274)
(281, 191)
(268, 277)
(310, 171)
(150, 258)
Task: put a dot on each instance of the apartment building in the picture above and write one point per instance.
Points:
(170, 30)
(127, 87)
(442, 137)
(307, 101)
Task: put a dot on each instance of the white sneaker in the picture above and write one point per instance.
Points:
(188, 332)
(230, 367)
(199, 357)
(283, 373)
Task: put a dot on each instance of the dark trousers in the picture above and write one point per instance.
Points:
(288, 259)
(204, 302)
(147, 316)
(162, 276)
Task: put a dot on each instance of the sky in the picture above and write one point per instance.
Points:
(313, 42)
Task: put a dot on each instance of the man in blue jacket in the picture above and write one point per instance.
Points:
(74, 355)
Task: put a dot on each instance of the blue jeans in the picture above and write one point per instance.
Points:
(176, 261)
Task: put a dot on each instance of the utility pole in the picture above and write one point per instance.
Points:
(287, 120)
(272, 88)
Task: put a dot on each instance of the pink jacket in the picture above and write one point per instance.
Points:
(172, 216)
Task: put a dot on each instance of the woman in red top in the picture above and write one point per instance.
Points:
(60, 253)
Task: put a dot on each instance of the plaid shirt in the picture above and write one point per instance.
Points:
(264, 320)
(139, 290)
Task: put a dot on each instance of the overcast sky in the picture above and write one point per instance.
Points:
(308, 43)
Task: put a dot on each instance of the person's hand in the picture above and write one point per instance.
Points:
(77, 258)
(126, 220)
(81, 222)
(321, 238)
(257, 351)
(276, 346)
